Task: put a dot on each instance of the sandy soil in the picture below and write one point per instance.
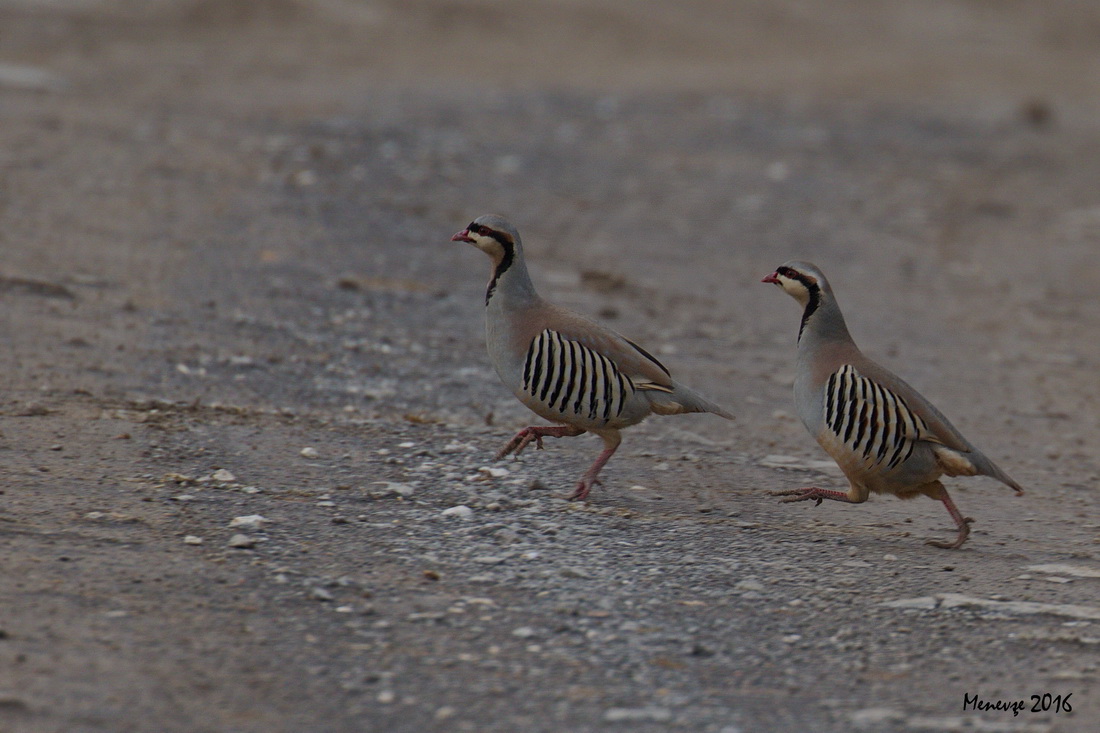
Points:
(227, 290)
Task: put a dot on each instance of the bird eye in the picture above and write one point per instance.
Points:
(787, 272)
(476, 228)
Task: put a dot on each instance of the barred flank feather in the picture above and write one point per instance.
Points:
(574, 380)
(871, 420)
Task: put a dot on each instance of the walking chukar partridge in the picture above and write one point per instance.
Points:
(883, 434)
(566, 368)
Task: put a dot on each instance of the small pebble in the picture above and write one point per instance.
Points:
(461, 511)
(309, 453)
(637, 715)
(223, 476)
(320, 594)
(494, 471)
(192, 540)
(392, 487)
(242, 542)
(251, 521)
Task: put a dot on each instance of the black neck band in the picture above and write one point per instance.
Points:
(502, 267)
(811, 305)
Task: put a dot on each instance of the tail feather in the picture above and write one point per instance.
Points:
(988, 468)
(985, 467)
(681, 400)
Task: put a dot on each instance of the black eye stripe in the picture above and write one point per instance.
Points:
(504, 240)
(793, 274)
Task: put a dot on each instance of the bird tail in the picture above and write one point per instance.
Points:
(987, 467)
(681, 400)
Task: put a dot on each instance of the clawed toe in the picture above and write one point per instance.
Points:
(792, 495)
(964, 532)
(517, 444)
(583, 488)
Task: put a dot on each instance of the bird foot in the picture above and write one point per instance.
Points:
(536, 433)
(583, 487)
(521, 440)
(810, 494)
(964, 532)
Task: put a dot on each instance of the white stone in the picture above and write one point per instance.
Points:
(308, 453)
(223, 476)
(1077, 571)
(637, 715)
(251, 521)
(956, 600)
(461, 512)
(395, 488)
(875, 717)
(923, 603)
(242, 541)
(493, 471)
(192, 540)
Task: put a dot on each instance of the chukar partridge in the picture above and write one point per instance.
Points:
(883, 434)
(566, 368)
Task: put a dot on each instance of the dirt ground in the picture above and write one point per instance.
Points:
(245, 385)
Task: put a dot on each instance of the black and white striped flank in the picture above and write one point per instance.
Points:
(573, 379)
(870, 419)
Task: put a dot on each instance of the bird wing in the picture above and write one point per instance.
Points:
(876, 421)
(638, 365)
(571, 378)
(937, 428)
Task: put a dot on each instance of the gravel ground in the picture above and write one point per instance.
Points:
(248, 423)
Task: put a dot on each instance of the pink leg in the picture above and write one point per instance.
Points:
(535, 433)
(811, 493)
(963, 523)
(611, 444)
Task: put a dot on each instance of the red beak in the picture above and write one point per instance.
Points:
(772, 278)
(463, 236)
